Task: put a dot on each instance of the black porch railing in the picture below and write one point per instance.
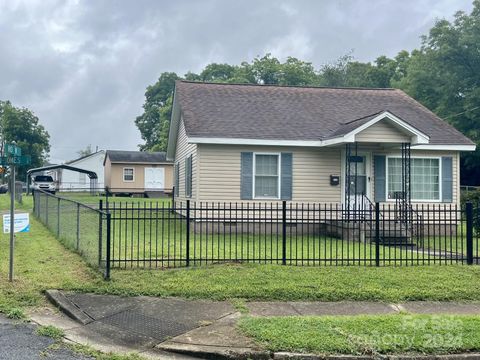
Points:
(128, 235)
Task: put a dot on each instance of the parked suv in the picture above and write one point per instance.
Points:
(45, 183)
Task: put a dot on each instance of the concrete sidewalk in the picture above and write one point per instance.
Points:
(166, 327)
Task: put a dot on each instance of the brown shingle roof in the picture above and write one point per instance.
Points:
(298, 113)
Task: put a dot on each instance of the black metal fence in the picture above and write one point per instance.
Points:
(157, 234)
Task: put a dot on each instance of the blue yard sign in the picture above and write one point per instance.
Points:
(22, 223)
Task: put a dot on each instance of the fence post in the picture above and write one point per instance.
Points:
(377, 234)
(469, 214)
(78, 226)
(100, 231)
(284, 232)
(108, 249)
(46, 212)
(58, 218)
(188, 233)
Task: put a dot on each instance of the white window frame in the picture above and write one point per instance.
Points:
(133, 174)
(439, 158)
(279, 175)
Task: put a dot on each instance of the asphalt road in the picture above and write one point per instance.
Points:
(18, 341)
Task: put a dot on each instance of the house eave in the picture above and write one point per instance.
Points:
(317, 143)
(173, 130)
(446, 147)
(262, 142)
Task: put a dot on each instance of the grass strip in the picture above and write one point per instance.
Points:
(382, 334)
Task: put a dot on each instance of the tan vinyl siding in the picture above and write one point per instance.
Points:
(382, 131)
(115, 176)
(183, 150)
(220, 172)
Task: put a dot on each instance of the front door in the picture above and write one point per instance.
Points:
(154, 178)
(357, 182)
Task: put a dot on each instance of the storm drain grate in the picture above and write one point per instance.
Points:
(159, 329)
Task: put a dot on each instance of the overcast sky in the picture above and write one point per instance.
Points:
(82, 66)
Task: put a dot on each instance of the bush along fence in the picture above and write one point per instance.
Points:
(180, 234)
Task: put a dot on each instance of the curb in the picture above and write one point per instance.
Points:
(231, 353)
(66, 306)
(215, 352)
(297, 356)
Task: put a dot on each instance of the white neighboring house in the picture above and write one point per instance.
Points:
(71, 180)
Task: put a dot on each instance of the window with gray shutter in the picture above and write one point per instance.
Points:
(188, 176)
(286, 182)
(447, 179)
(246, 175)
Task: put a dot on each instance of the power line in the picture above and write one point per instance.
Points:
(463, 112)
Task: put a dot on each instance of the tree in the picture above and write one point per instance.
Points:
(266, 70)
(23, 127)
(150, 123)
(444, 75)
(85, 152)
(295, 72)
(217, 72)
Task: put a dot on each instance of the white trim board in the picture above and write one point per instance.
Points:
(313, 143)
(444, 147)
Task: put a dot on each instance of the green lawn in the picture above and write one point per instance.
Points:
(371, 335)
(86, 198)
(42, 262)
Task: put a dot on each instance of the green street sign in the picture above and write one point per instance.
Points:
(24, 160)
(15, 160)
(13, 150)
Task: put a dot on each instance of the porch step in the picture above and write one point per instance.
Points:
(396, 241)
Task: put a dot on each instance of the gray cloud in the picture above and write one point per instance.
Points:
(83, 66)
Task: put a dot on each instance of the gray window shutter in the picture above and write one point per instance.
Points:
(447, 179)
(177, 178)
(380, 178)
(286, 177)
(188, 176)
(246, 176)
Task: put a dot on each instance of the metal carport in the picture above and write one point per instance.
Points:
(91, 174)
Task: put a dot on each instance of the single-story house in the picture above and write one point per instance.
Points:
(250, 143)
(137, 172)
(68, 180)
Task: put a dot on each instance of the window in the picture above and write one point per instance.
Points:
(425, 178)
(266, 176)
(128, 174)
